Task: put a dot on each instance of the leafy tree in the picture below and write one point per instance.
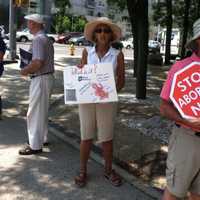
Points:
(169, 31)
(62, 23)
(79, 24)
(141, 33)
(138, 13)
(185, 27)
(197, 9)
(191, 12)
(159, 13)
(62, 5)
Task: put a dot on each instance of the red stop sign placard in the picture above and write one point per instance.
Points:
(185, 91)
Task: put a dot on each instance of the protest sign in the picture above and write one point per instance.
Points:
(91, 84)
(185, 91)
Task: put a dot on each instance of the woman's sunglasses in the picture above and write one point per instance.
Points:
(100, 30)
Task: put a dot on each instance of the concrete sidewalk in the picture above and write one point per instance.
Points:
(50, 174)
(130, 143)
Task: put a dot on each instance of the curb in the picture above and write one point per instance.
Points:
(144, 188)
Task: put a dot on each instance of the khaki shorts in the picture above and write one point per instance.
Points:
(97, 121)
(183, 163)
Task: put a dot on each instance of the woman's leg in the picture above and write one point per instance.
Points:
(81, 178)
(109, 173)
(105, 123)
(87, 116)
(108, 154)
(85, 148)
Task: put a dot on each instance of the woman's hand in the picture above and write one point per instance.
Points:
(80, 66)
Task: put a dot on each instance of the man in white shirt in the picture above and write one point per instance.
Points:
(40, 70)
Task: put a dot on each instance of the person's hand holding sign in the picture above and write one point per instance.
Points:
(80, 66)
(194, 124)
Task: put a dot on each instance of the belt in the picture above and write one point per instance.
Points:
(33, 76)
(196, 133)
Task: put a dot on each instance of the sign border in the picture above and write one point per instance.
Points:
(173, 86)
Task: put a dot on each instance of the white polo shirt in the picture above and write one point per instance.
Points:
(110, 56)
(42, 49)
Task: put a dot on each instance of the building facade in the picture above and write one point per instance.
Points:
(89, 8)
(99, 8)
(4, 14)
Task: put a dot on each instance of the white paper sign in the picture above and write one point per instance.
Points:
(90, 84)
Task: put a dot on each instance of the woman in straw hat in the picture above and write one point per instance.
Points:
(183, 162)
(102, 32)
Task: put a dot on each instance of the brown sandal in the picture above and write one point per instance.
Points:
(28, 151)
(81, 179)
(113, 177)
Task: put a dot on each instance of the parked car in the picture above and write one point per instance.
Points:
(128, 43)
(25, 36)
(80, 41)
(63, 38)
(117, 45)
(154, 46)
(2, 31)
(52, 37)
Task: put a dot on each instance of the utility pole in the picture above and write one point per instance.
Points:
(42, 7)
(12, 31)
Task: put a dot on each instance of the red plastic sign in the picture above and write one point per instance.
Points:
(185, 91)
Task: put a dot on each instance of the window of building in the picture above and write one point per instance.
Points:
(90, 12)
(99, 14)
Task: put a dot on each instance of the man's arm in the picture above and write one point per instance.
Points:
(31, 68)
(169, 111)
(120, 79)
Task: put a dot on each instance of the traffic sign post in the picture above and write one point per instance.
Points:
(12, 31)
(185, 91)
(21, 3)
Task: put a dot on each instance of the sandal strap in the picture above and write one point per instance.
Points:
(113, 177)
(81, 179)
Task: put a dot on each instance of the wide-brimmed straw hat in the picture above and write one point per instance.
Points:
(196, 34)
(36, 18)
(90, 28)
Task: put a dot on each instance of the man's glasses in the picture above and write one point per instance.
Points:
(100, 30)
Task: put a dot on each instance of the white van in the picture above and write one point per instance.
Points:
(175, 41)
(128, 43)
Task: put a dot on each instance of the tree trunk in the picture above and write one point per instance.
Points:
(185, 27)
(132, 10)
(142, 33)
(168, 32)
(198, 10)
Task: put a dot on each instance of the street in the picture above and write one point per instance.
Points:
(51, 174)
(63, 50)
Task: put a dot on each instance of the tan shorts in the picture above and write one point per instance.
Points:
(183, 163)
(97, 121)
